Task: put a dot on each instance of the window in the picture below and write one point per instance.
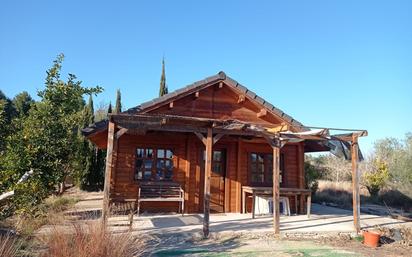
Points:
(261, 169)
(154, 164)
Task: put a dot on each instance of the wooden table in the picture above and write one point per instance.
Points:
(296, 192)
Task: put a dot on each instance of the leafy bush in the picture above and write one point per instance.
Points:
(312, 174)
(375, 180)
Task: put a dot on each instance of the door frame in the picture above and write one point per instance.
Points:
(225, 179)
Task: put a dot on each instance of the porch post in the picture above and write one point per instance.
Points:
(276, 189)
(208, 171)
(111, 148)
(355, 182)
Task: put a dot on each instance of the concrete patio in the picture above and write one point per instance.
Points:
(324, 219)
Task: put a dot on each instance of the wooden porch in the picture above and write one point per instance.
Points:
(209, 132)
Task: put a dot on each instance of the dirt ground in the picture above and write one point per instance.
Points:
(240, 245)
(248, 244)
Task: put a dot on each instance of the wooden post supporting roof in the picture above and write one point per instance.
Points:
(276, 144)
(276, 188)
(208, 141)
(111, 150)
(208, 172)
(355, 182)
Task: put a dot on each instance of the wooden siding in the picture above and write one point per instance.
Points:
(187, 171)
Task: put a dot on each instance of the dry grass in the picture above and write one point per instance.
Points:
(341, 195)
(49, 212)
(9, 246)
(90, 240)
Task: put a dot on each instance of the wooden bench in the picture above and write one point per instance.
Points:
(161, 192)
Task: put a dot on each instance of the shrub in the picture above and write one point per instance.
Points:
(312, 174)
(374, 181)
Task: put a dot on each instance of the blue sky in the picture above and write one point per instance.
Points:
(326, 63)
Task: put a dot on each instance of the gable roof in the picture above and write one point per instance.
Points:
(209, 81)
(194, 87)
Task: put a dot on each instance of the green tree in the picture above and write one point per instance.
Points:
(118, 106)
(109, 110)
(22, 103)
(47, 140)
(163, 87)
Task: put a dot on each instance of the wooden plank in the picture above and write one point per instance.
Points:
(355, 183)
(208, 171)
(111, 148)
(276, 186)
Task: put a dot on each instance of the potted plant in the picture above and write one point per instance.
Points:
(371, 237)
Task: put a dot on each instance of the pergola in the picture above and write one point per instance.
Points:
(209, 131)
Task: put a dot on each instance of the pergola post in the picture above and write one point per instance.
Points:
(208, 141)
(355, 182)
(276, 187)
(208, 171)
(111, 150)
(276, 144)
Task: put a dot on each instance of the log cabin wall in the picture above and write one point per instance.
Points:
(188, 164)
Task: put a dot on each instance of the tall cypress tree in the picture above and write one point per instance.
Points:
(118, 106)
(109, 110)
(163, 87)
(89, 112)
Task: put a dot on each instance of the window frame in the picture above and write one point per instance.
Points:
(155, 175)
(267, 169)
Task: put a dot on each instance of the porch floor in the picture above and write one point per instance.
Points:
(324, 219)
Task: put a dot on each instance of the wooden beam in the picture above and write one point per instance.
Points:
(355, 183)
(277, 129)
(262, 113)
(241, 99)
(204, 139)
(276, 189)
(201, 137)
(111, 151)
(208, 172)
(121, 132)
(217, 137)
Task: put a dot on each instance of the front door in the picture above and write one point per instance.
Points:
(217, 181)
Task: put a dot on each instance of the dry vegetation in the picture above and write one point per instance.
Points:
(90, 240)
(10, 246)
(340, 194)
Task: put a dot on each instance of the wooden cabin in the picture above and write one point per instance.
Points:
(164, 140)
